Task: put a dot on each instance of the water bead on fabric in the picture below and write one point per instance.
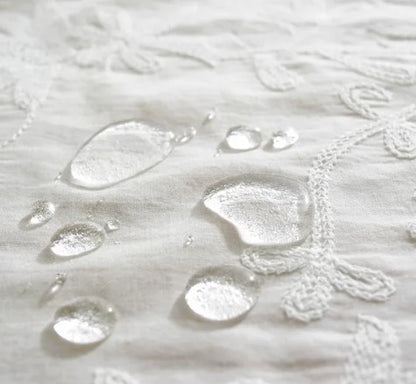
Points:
(118, 152)
(266, 210)
(42, 212)
(243, 138)
(77, 239)
(86, 320)
(222, 293)
(112, 225)
(284, 138)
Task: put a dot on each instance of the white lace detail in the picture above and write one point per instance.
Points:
(273, 75)
(309, 298)
(112, 376)
(375, 356)
(27, 73)
(391, 72)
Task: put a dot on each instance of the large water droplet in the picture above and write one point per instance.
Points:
(86, 320)
(284, 138)
(243, 138)
(266, 210)
(118, 152)
(42, 212)
(77, 239)
(222, 293)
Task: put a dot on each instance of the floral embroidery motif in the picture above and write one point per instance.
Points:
(273, 75)
(27, 73)
(375, 355)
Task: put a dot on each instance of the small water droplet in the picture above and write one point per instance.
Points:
(222, 293)
(266, 210)
(112, 225)
(119, 152)
(58, 177)
(54, 288)
(188, 241)
(284, 138)
(187, 135)
(212, 114)
(42, 212)
(86, 320)
(243, 138)
(77, 239)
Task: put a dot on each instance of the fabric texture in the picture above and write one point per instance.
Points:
(68, 68)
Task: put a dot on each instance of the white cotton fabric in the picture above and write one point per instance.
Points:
(143, 268)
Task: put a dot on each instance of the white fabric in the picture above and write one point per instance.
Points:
(72, 89)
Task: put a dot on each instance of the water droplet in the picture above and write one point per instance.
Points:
(112, 225)
(188, 241)
(212, 114)
(42, 212)
(118, 152)
(243, 138)
(266, 210)
(59, 176)
(86, 320)
(284, 138)
(222, 293)
(54, 288)
(77, 239)
(187, 135)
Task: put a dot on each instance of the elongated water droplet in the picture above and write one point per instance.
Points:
(187, 135)
(188, 241)
(54, 288)
(86, 320)
(284, 138)
(118, 152)
(243, 138)
(77, 239)
(112, 225)
(212, 114)
(222, 293)
(42, 212)
(266, 210)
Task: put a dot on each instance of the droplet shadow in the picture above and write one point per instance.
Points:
(182, 315)
(54, 346)
(232, 239)
(47, 257)
(26, 224)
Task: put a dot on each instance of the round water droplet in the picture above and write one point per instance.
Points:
(222, 293)
(112, 225)
(42, 212)
(186, 136)
(77, 239)
(87, 320)
(243, 138)
(266, 210)
(118, 152)
(284, 138)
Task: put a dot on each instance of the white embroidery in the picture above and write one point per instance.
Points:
(112, 376)
(273, 75)
(375, 356)
(322, 271)
(391, 72)
(26, 72)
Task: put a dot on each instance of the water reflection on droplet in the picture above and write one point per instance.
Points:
(77, 239)
(186, 136)
(243, 138)
(84, 321)
(222, 293)
(188, 241)
(42, 212)
(266, 210)
(118, 152)
(284, 138)
(112, 225)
